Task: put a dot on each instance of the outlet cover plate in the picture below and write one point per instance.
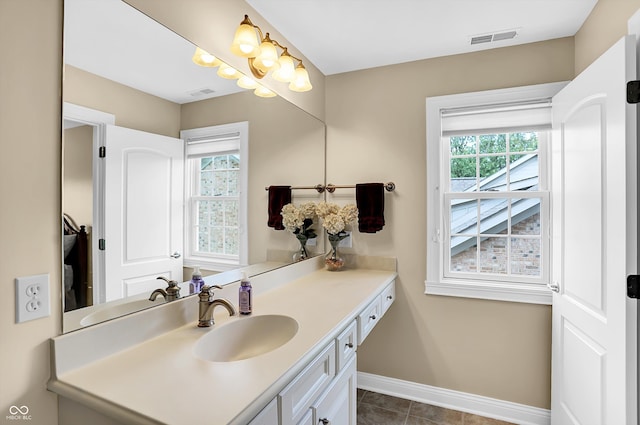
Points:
(32, 297)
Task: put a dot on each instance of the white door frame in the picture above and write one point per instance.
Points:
(99, 121)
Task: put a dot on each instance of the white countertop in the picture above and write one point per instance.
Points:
(161, 381)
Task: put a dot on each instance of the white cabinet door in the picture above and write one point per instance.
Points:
(337, 406)
(143, 211)
(594, 341)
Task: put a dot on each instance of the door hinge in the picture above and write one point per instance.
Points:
(102, 151)
(633, 291)
(633, 91)
(101, 243)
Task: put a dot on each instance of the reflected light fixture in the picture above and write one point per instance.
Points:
(262, 55)
(203, 58)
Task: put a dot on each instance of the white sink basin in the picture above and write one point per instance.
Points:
(246, 337)
(118, 310)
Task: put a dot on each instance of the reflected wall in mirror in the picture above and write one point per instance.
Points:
(155, 92)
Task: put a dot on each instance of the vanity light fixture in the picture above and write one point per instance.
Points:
(203, 58)
(263, 57)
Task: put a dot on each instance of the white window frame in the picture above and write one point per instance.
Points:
(239, 130)
(438, 283)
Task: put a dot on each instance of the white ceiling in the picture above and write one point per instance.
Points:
(348, 35)
(111, 39)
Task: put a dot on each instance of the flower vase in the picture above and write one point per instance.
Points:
(301, 253)
(333, 260)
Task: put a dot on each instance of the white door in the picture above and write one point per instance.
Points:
(594, 323)
(143, 211)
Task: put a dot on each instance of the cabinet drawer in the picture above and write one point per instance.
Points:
(368, 319)
(387, 297)
(346, 344)
(297, 397)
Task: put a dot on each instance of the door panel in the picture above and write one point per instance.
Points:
(594, 342)
(143, 213)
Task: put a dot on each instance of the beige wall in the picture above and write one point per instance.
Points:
(452, 343)
(30, 126)
(376, 132)
(132, 108)
(606, 25)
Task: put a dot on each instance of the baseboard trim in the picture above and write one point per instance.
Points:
(465, 402)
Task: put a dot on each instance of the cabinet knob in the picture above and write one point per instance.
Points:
(389, 297)
(349, 344)
(324, 421)
(372, 317)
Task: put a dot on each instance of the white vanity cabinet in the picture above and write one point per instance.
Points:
(311, 381)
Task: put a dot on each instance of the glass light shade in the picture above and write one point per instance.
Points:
(287, 70)
(247, 83)
(229, 72)
(301, 81)
(263, 92)
(203, 58)
(245, 42)
(267, 60)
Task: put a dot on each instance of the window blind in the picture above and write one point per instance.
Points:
(500, 118)
(220, 144)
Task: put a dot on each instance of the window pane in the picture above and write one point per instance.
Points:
(233, 183)
(490, 167)
(494, 214)
(464, 260)
(493, 143)
(462, 145)
(220, 162)
(216, 245)
(493, 255)
(525, 216)
(464, 216)
(231, 241)
(525, 256)
(523, 142)
(206, 183)
(463, 174)
(234, 162)
(524, 172)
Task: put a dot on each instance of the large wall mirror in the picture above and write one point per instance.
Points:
(129, 78)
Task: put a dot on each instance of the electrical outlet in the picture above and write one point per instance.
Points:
(346, 242)
(32, 297)
(312, 242)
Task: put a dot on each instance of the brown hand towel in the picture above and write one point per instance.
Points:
(279, 196)
(370, 203)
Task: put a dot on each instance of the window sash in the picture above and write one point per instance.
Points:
(446, 257)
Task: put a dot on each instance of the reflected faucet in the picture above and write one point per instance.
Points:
(207, 304)
(172, 292)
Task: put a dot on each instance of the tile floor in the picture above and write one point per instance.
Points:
(379, 409)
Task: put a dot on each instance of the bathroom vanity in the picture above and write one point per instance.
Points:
(292, 362)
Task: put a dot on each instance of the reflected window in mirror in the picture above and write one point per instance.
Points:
(216, 196)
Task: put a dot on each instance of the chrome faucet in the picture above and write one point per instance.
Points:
(207, 304)
(172, 292)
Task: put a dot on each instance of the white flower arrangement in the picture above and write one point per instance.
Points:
(334, 218)
(298, 220)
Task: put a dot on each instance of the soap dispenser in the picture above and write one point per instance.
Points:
(196, 281)
(245, 297)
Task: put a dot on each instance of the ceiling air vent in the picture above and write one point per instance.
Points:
(201, 92)
(488, 38)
